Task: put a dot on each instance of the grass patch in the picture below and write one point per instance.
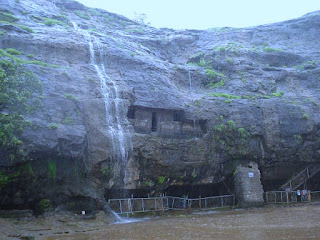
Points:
(224, 95)
(70, 96)
(68, 121)
(277, 94)
(82, 15)
(270, 49)
(216, 85)
(3, 33)
(17, 25)
(4, 53)
(7, 17)
(53, 125)
(229, 96)
(51, 22)
(214, 75)
(13, 51)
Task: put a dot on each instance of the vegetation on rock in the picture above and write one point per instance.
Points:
(19, 91)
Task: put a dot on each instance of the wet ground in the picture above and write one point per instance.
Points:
(298, 222)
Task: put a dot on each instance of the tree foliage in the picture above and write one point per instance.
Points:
(141, 18)
(19, 91)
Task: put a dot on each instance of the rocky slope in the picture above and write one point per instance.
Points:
(128, 106)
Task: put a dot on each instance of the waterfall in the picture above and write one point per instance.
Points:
(115, 120)
(190, 80)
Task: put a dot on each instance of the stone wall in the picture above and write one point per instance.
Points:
(249, 191)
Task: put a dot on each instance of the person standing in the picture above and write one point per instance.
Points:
(298, 195)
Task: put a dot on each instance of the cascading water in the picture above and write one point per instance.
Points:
(190, 80)
(115, 120)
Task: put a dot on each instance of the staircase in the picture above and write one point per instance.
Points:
(301, 177)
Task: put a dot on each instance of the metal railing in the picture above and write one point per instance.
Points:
(290, 197)
(315, 196)
(164, 203)
(280, 197)
(301, 177)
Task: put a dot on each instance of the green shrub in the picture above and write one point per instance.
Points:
(197, 103)
(53, 125)
(216, 85)
(214, 75)
(51, 22)
(13, 79)
(44, 206)
(70, 96)
(28, 169)
(305, 116)
(243, 133)
(231, 124)
(202, 62)
(13, 51)
(7, 178)
(68, 121)
(161, 179)
(52, 169)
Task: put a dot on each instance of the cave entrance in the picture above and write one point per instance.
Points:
(204, 190)
(154, 123)
(126, 193)
(131, 113)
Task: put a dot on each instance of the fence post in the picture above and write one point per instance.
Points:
(267, 197)
(200, 202)
(155, 204)
(142, 205)
(221, 201)
(287, 197)
(161, 201)
(120, 206)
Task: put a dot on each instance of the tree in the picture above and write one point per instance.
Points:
(141, 18)
(19, 91)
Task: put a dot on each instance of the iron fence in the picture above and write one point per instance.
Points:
(315, 196)
(290, 197)
(164, 203)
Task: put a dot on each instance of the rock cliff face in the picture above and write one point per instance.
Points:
(132, 107)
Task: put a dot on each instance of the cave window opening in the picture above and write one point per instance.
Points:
(131, 113)
(176, 116)
(154, 123)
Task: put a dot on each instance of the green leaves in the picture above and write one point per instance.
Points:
(19, 90)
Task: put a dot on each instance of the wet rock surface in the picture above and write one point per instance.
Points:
(246, 95)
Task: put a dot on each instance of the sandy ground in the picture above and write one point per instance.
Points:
(298, 222)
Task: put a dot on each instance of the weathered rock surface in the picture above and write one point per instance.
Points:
(181, 123)
(248, 187)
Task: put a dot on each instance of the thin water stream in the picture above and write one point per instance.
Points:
(115, 118)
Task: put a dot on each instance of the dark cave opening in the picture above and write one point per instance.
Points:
(203, 190)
